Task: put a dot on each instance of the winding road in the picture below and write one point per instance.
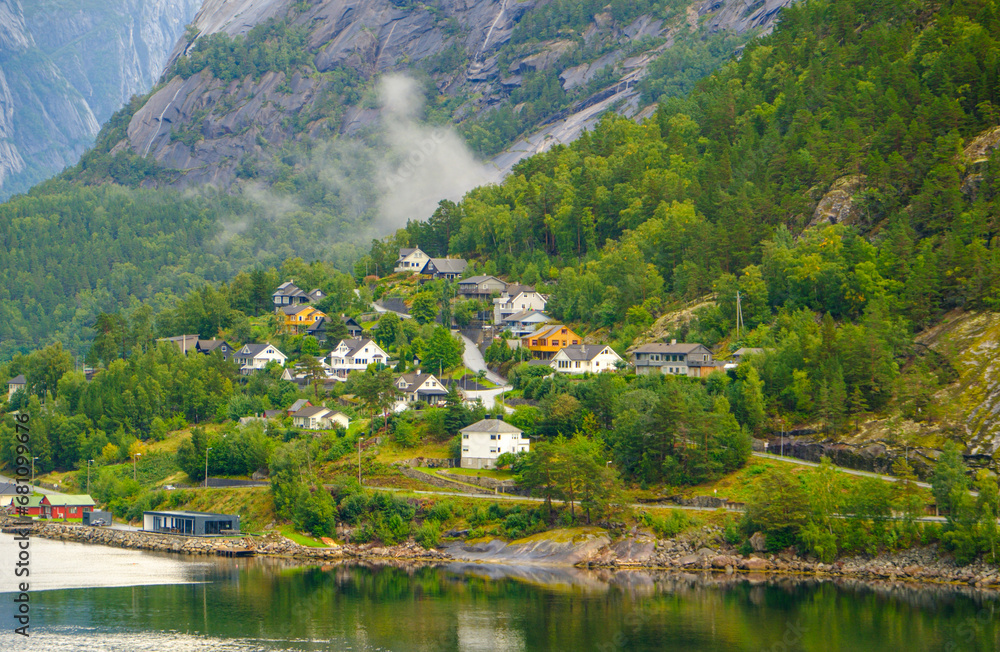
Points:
(473, 359)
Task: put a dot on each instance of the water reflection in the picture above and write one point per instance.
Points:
(267, 604)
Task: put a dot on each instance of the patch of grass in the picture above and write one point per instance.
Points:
(481, 473)
(288, 531)
(390, 452)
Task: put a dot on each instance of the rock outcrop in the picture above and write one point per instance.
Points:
(186, 126)
(66, 71)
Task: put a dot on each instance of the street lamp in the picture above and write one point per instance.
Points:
(89, 462)
(135, 458)
(359, 459)
(33, 469)
(206, 466)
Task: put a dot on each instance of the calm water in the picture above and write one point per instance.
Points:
(94, 598)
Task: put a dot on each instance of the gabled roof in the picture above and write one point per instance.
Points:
(583, 352)
(207, 346)
(515, 289)
(298, 405)
(404, 252)
(67, 500)
(34, 500)
(318, 325)
(253, 350)
(449, 265)
(415, 381)
(295, 309)
(349, 320)
(288, 289)
(526, 314)
(312, 411)
(546, 331)
(476, 280)
(492, 426)
(8, 489)
(18, 380)
(354, 345)
(747, 350)
(661, 347)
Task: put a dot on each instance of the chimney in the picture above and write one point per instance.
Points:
(672, 342)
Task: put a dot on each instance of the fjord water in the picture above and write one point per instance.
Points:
(129, 600)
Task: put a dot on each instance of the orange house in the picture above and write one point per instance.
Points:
(548, 340)
(299, 318)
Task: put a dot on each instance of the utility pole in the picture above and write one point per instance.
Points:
(89, 462)
(33, 469)
(206, 466)
(135, 458)
(739, 314)
(359, 459)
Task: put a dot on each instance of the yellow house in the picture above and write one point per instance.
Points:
(548, 340)
(299, 318)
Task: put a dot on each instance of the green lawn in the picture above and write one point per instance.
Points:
(289, 532)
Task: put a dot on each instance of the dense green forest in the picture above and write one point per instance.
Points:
(715, 194)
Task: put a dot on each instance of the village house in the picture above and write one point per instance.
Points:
(319, 418)
(65, 506)
(411, 260)
(355, 355)
(16, 383)
(188, 343)
(585, 358)
(444, 268)
(484, 441)
(254, 357)
(525, 323)
(298, 405)
(516, 299)
(743, 352)
(685, 359)
(547, 340)
(480, 287)
(298, 318)
(354, 329)
(418, 387)
(289, 294)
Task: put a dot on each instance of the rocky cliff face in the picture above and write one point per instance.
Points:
(205, 128)
(67, 69)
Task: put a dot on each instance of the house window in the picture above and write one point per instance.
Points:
(493, 437)
(465, 449)
(465, 436)
(578, 364)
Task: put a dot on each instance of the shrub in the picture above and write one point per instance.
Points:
(428, 534)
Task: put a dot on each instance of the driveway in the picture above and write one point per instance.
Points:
(474, 360)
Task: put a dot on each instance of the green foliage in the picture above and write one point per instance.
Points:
(272, 46)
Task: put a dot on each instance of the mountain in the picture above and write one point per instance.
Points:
(285, 129)
(66, 67)
(496, 69)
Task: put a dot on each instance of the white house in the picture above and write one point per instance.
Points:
(585, 358)
(517, 299)
(525, 323)
(16, 383)
(253, 357)
(319, 418)
(411, 260)
(419, 387)
(355, 355)
(484, 441)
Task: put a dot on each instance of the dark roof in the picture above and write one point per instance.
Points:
(311, 411)
(493, 426)
(476, 280)
(515, 289)
(270, 414)
(583, 351)
(661, 347)
(414, 381)
(8, 489)
(210, 345)
(18, 380)
(747, 350)
(298, 405)
(349, 320)
(318, 325)
(449, 265)
(288, 289)
(253, 350)
(403, 253)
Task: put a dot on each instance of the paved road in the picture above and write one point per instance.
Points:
(865, 474)
(40, 490)
(473, 359)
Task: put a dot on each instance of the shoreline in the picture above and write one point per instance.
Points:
(912, 566)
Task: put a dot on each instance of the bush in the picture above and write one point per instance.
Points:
(428, 534)
(315, 515)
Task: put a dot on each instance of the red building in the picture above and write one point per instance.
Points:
(66, 506)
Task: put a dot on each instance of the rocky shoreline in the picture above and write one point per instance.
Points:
(273, 545)
(636, 552)
(923, 564)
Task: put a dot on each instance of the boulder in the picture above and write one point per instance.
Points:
(758, 542)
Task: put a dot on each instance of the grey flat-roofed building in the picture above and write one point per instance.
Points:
(197, 524)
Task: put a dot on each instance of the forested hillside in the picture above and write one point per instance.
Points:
(842, 175)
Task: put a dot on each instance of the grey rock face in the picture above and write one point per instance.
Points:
(66, 71)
